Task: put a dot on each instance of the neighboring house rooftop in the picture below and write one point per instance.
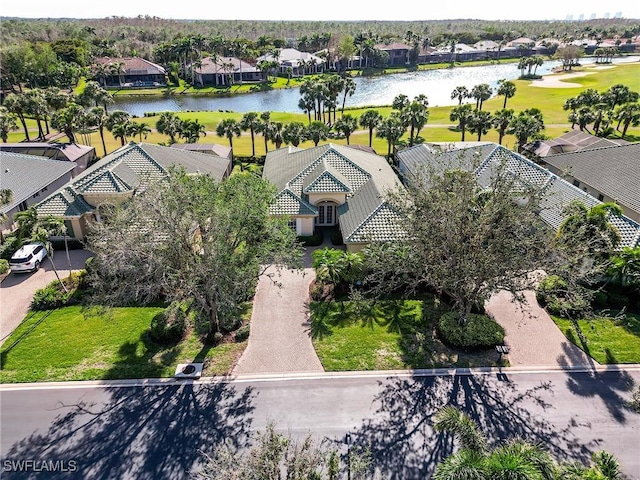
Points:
(125, 170)
(134, 65)
(614, 171)
(364, 177)
(55, 151)
(223, 151)
(392, 46)
(482, 159)
(27, 175)
(572, 141)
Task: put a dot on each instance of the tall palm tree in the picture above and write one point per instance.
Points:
(69, 120)
(628, 114)
(140, 129)
(317, 131)
(263, 127)
(346, 125)
(370, 120)
(251, 121)
(275, 133)
(192, 130)
(507, 89)
(588, 230)
(461, 93)
(349, 88)
(391, 129)
(295, 132)
(169, 124)
(16, 104)
(229, 128)
(415, 115)
(462, 114)
(481, 93)
(501, 120)
(480, 123)
(97, 117)
(525, 126)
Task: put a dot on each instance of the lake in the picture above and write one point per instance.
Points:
(370, 91)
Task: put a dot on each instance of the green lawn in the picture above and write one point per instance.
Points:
(387, 335)
(609, 340)
(63, 345)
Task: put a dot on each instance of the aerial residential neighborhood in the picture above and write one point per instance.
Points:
(326, 249)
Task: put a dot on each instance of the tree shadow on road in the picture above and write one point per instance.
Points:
(609, 385)
(151, 432)
(405, 446)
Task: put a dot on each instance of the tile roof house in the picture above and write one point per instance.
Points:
(610, 174)
(573, 141)
(481, 159)
(334, 185)
(299, 62)
(398, 52)
(117, 176)
(29, 178)
(226, 71)
(134, 72)
(80, 155)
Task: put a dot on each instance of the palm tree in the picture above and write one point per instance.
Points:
(8, 123)
(346, 125)
(294, 133)
(481, 93)
(275, 133)
(571, 104)
(370, 120)
(508, 89)
(391, 129)
(121, 130)
(461, 93)
(462, 114)
(588, 230)
(501, 120)
(251, 121)
(628, 114)
(263, 127)
(516, 459)
(480, 123)
(525, 126)
(605, 467)
(169, 124)
(624, 268)
(16, 104)
(192, 130)
(140, 129)
(37, 108)
(317, 131)
(415, 115)
(349, 88)
(69, 120)
(583, 117)
(307, 105)
(97, 117)
(229, 128)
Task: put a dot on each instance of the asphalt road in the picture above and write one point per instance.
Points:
(157, 431)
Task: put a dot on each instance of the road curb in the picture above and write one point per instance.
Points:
(293, 376)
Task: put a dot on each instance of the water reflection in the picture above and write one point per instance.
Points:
(370, 91)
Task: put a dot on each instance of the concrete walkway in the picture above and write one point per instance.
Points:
(279, 341)
(533, 337)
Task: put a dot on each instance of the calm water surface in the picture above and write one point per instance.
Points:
(370, 91)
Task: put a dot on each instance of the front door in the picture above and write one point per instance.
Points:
(326, 214)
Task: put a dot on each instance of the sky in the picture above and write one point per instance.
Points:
(322, 10)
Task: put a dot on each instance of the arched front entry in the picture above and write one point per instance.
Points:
(326, 214)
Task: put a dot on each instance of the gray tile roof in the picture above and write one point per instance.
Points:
(613, 171)
(558, 192)
(26, 175)
(125, 170)
(572, 141)
(363, 176)
(288, 203)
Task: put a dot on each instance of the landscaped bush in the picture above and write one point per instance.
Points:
(170, 325)
(230, 324)
(552, 293)
(242, 333)
(479, 331)
(311, 240)
(4, 266)
(10, 245)
(54, 296)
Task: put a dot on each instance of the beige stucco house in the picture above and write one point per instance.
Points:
(335, 186)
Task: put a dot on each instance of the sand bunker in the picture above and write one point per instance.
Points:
(559, 81)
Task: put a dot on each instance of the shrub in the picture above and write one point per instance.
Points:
(553, 294)
(600, 299)
(169, 325)
(10, 245)
(311, 240)
(4, 266)
(479, 331)
(230, 324)
(50, 297)
(242, 333)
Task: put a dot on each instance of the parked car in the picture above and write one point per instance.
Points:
(28, 257)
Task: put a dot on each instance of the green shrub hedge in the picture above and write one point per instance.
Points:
(4, 266)
(169, 325)
(311, 240)
(53, 295)
(478, 333)
(242, 333)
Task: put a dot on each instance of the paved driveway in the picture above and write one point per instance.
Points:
(17, 289)
(533, 337)
(279, 340)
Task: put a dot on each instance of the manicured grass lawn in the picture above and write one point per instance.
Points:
(609, 340)
(391, 334)
(63, 345)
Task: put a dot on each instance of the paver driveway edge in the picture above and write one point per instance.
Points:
(279, 339)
